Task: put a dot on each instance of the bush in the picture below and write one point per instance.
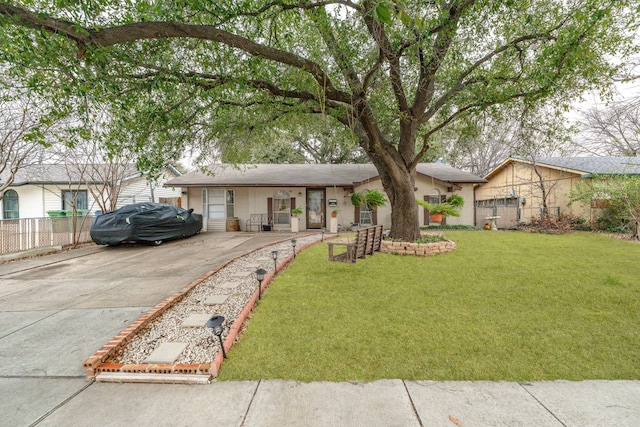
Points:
(556, 225)
(450, 227)
(614, 219)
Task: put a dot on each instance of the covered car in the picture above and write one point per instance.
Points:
(145, 222)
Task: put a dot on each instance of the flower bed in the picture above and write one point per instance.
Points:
(417, 249)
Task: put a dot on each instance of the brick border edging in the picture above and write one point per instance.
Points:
(95, 364)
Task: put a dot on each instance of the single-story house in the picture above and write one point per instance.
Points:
(228, 196)
(38, 189)
(514, 190)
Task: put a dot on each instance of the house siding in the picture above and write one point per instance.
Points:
(427, 187)
(519, 180)
(30, 201)
(254, 200)
(137, 190)
(35, 200)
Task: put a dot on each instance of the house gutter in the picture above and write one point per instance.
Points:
(593, 175)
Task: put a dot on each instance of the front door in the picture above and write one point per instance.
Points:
(315, 208)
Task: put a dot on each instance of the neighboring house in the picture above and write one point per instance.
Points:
(38, 189)
(137, 189)
(514, 190)
(229, 192)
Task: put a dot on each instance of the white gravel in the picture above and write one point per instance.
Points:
(202, 345)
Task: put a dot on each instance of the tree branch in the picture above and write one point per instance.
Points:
(446, 34)
(461, 83)
(376, 30)
(302, 6)
(166, 29)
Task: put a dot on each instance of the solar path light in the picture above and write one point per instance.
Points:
(260, 276)
(274, 255)
(215, 323)
(293, 244)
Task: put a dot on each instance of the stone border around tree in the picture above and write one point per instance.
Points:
(417, 249)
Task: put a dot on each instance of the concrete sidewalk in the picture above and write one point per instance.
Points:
(56, 310)
(287, 403)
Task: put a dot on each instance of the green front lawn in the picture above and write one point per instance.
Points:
(503, 306)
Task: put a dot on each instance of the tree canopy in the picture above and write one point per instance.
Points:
(389, 74)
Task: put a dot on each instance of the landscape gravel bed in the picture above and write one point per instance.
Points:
(202, 345)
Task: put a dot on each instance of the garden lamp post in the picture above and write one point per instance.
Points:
(274, 255)
(293, 244)
(260, 276)
(215, 323)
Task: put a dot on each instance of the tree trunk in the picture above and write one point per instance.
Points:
(543, 191)
(404, 213)
(398, 179)
(398, 183)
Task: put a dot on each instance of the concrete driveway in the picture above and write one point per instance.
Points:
(56, 310)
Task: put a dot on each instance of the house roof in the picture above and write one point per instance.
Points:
(584, 166)
(68, 174)
(306, 175)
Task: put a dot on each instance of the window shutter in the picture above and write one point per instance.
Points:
(293, 203)
(374, 216)
(270, 209)
(356, 214)
(443, 198)
(205, 208)
(426, 211)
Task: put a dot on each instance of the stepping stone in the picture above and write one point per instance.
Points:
(242, 274)
(229, 285)
(167, 352)
(216, 299)
(196, 321)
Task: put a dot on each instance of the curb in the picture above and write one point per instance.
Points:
(96, 364)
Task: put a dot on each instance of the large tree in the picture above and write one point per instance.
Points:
(611, 131)
(393, 73)
(27, 128)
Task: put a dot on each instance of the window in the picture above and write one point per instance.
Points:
(218, 204)
(281, 208)
(10, 208)
(366, 217)
(231, 212)
(436, 197)
(71, 196)
(503, 201)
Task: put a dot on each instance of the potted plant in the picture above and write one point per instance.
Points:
(375, 199)
(447, 208)
(456, 201)
(357, 199)
(334, 213)
(295, 221)
(372, 198)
